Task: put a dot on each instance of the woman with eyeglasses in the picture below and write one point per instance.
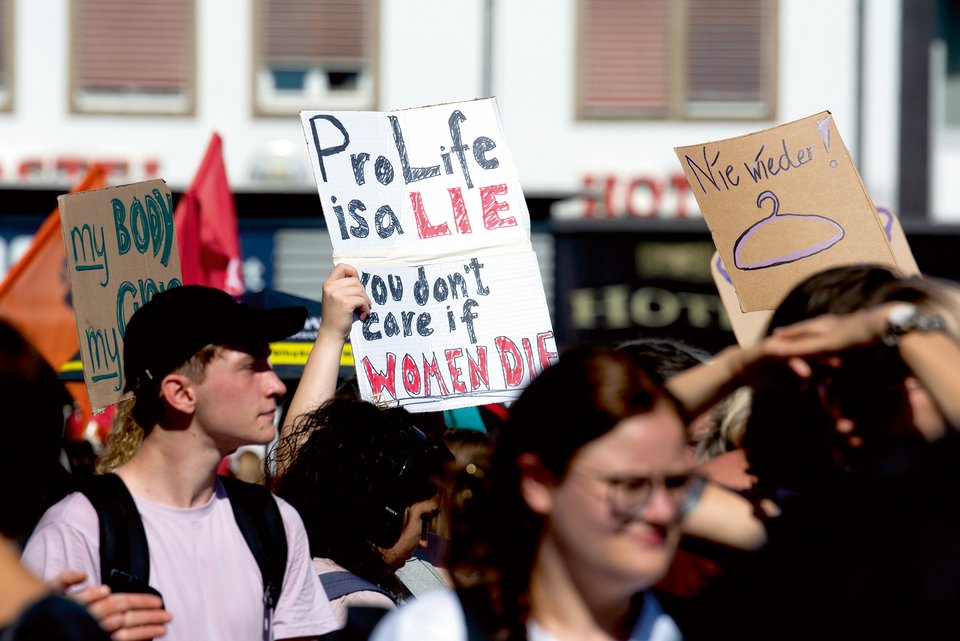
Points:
(578, 516)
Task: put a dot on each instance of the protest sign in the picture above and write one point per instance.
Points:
(782, 204)
(426, 204)
(750, 327)
(121, 250)
(898, 242)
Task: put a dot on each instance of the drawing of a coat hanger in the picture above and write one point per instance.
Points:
(786, 236)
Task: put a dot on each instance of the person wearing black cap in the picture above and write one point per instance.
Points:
(196, 362)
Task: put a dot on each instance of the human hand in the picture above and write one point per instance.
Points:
(823, 338)
(65, 580)
(342, 296)
(125, 616)
(831, 333)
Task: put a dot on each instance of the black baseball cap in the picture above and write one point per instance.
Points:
(178, 322)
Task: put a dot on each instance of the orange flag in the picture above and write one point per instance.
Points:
(208, 238)
(35, 295)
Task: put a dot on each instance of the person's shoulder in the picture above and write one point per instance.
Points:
(74, 510)
(368, 598)
(292, 521)
(285, 508)
(434, 616)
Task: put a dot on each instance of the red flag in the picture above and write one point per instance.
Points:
(35, 296)
(208, 237)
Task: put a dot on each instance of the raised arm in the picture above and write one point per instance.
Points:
(343, 296)
(932, 356)
(726, 517)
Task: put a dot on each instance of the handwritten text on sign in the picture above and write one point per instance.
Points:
(121, 251)
(426, 204)
(405, 180)
(783, 204)
(457, 332)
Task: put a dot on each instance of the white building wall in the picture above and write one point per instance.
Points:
(880, 155)
(432, 51)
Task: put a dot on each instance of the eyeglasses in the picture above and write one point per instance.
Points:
(629, 495)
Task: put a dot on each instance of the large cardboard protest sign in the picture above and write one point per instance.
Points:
(782, 204)
(426, 204)
(121, 250)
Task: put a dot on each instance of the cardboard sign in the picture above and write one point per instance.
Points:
(121, 250)
(426, 204)
(898, 242)
(750, 327)
(782, 204)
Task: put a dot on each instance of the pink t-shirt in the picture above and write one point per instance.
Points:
(200, 563)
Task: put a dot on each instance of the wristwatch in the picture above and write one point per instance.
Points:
(906, 318)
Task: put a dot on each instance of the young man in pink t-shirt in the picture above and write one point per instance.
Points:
(197, 363)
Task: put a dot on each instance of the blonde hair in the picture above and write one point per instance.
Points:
(123, 441)
(730, 424)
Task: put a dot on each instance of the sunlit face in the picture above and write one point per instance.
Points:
(633, 552)
(416, 518)
(237, 399)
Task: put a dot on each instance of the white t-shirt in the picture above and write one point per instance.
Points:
(200, 563)
(438, 616)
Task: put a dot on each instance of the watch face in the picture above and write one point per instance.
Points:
(901, 315)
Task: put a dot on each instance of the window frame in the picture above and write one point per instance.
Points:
(678, 107)
(8, 94)
(296, 102)
(123, 104)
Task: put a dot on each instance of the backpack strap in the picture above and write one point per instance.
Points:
(261, 524)
(124, 555)
(341, 583)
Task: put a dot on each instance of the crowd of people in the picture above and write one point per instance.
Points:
(796, 488)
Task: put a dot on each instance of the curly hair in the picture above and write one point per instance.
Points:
(345, 473)
(123, 441)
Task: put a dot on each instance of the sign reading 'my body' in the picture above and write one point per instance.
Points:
(782, 204)
(427, 205)
(121, 250)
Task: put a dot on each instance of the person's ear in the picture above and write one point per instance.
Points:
(179, 392)
(536, 483)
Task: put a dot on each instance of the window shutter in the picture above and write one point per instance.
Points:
(133, 47)
(624, 57)
(315, 33)
(728, 54)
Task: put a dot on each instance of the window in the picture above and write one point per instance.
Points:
(132, 57)
(676, 59)
(313, 54)
(6, 55)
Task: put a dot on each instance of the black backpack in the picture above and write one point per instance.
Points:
(125, 558)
